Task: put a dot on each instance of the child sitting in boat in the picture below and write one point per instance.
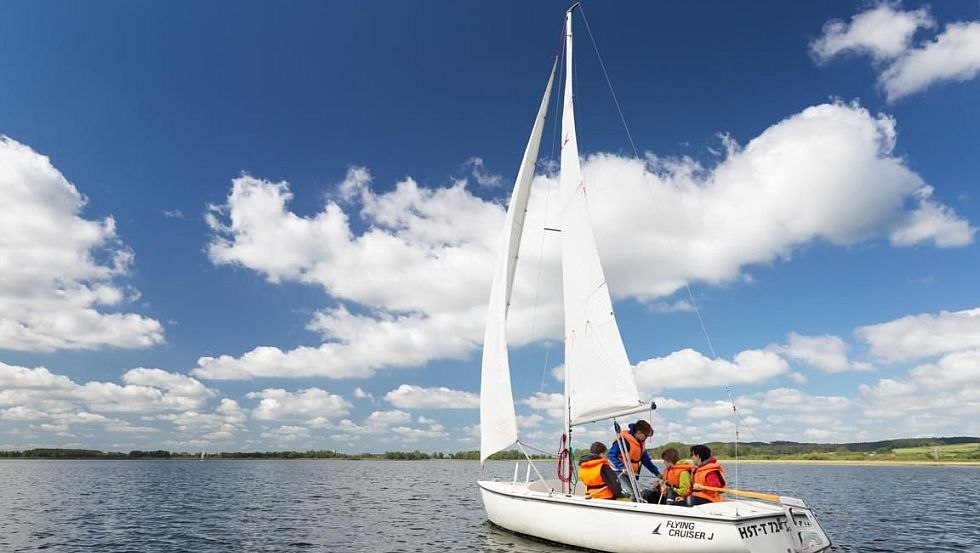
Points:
(675, 487)
(597, 474)
(707, 473)
(677, 476)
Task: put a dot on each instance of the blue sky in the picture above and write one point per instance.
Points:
(238, 226)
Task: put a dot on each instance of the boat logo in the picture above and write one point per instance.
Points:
(684, 529)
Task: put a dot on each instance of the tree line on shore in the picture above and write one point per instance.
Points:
(68, 453)
(960, 448)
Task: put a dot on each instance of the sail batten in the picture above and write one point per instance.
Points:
(498, 421)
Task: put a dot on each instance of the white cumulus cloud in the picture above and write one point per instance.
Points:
(408, 396)
(419, 274)
(924, 335)
(883, 32)
(791, 399)
(940, 398)
(37, 394)
(151, 390)
(886, 32)
(277, 404)
(60, 288)
(827, 353)
(387, 418)
(553, 404)
(689, 369)
(954, 55)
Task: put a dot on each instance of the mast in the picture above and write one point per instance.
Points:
(568, 136)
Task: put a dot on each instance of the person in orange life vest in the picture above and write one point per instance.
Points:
(636, 453)
(676, 483)
(707, 473)
(597, 474)
(677, 477)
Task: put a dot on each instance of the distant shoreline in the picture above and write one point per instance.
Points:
(942, 451)
(884, 463)
(890, 462)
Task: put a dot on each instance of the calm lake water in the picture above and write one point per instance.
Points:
(379, 506)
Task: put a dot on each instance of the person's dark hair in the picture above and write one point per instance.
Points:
(702, 451)
(643, 426)
(670, 454)
(598, 448)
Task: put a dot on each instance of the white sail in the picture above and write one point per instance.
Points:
(498, 423)
(599, 379)
(599, 384)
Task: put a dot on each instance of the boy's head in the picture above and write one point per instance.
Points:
(700, 453)
(670, 456)
(644, 427)
(598, 448)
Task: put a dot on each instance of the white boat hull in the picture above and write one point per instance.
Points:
(625, 527)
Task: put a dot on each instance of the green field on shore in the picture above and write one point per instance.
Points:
(952, 452)
(921, 450)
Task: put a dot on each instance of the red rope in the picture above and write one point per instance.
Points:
(564, 464)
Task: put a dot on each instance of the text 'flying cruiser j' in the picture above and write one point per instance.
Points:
(599, 385)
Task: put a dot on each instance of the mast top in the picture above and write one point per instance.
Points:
(571, 9)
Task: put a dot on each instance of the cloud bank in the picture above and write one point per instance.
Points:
(411, 266)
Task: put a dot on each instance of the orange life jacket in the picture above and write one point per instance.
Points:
(590, 474)
(700, 476)
(672, 475)
(635, 452)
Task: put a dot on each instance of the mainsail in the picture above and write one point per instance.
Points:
(598, 377)
(498, 423)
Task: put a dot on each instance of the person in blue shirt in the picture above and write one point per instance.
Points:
(636, 454)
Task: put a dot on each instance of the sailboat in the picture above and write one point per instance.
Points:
(599, 385)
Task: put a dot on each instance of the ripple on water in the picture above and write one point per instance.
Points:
(369, 506)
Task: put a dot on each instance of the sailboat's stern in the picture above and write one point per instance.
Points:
(787, 527)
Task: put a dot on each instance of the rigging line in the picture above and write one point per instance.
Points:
(697, 311)
(738, 414)
(561, 81)
(537, 290)
(735, 416)
(534, 311)
(636, 153)
(672, 245)
(544, 368)
(560, 57)
(609, 82)
(529, 462)
(541, 451)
